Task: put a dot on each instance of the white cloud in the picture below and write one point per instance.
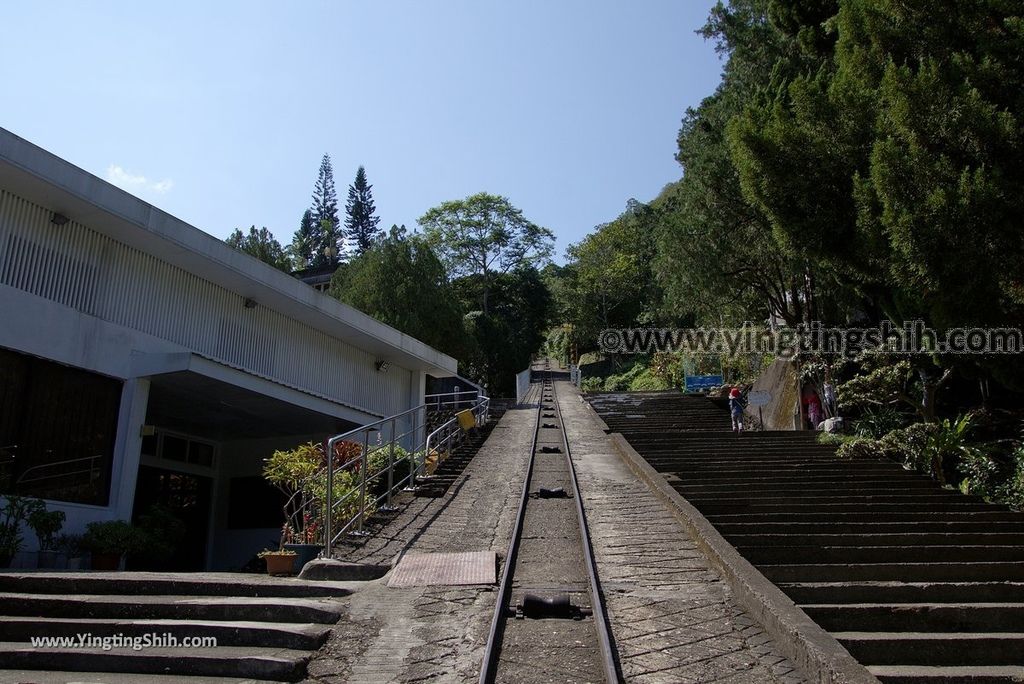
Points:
(134, 182)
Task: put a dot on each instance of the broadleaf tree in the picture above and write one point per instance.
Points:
(485, 235)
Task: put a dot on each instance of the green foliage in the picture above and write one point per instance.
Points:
(401, 282)
(360, 215)
(949, 446)
(483, 235)
(304, 243)
(876, 422)
(15, 511)
(161, 533)
(115, 537)
(319, 241)
(46, 524)
(262, 245)
(504, 336)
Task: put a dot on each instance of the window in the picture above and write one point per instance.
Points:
(57, 430)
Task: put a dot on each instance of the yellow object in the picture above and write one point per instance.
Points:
(467, 421)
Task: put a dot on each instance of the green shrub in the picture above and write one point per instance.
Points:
(647, 381)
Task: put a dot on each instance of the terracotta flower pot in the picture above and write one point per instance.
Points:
(280, 564)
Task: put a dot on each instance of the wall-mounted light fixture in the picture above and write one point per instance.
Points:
(250, 303)
(382, 366)
(58, 219)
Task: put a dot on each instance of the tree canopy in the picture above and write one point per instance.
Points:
(401, 282)
(360, 215)
(262, 245)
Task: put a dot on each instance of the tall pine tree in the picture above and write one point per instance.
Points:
(329, 242)
(303, 245)
(360, 222)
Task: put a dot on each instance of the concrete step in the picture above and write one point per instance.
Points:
(919, 617)
(920, 674)
(254, 663)
(903, 592)
(973, 516)
(54, 677)
(823, 509)
(915, 648)
(172, 608)
(896, 572)
(228, 633)
(750, 541)
(167, 584)
(849, 555)
(797, 483)
(917, 526)
(811, 496)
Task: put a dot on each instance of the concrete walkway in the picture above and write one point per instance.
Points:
(433, 633)
(673, 618)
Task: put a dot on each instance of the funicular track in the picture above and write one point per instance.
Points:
(549, 619)
(919, 583)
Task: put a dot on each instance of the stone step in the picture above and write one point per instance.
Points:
(810, 496)
(54, 677)
(797, 483)
(896, 572)
(228, 633)
(903, 592)
(915, 526)
(921, 674)
(104, 606)
(974, 516)
(909, 538)
(938, 649)
(783, 555)
(238, 662)
(823, 509)
(168, 584)
(919, 617)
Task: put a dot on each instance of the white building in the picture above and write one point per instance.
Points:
(142, 360)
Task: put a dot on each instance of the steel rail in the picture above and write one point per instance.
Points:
(489, 665)
(490, 661)
(604, 635)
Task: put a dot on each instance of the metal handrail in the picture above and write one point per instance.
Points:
(408, 428)
(452, 431)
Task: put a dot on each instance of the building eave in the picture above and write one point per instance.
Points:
(41, 177)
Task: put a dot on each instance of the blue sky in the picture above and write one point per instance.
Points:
(219, 112)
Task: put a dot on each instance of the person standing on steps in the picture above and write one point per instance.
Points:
(736, 409)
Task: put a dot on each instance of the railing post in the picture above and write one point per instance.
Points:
(364, 469)
(329, 501)
(391, 463)
(415, 444)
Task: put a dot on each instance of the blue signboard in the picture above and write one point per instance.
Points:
(701, 383)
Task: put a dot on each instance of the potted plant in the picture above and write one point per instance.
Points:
(15, 511)
(46, 524)
(109, 541)
(281, 561)
(160, 533)
(70, 545)
(305, 544)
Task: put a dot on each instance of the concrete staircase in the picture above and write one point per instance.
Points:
(265, 628)
(436, 485)
(919, 583)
